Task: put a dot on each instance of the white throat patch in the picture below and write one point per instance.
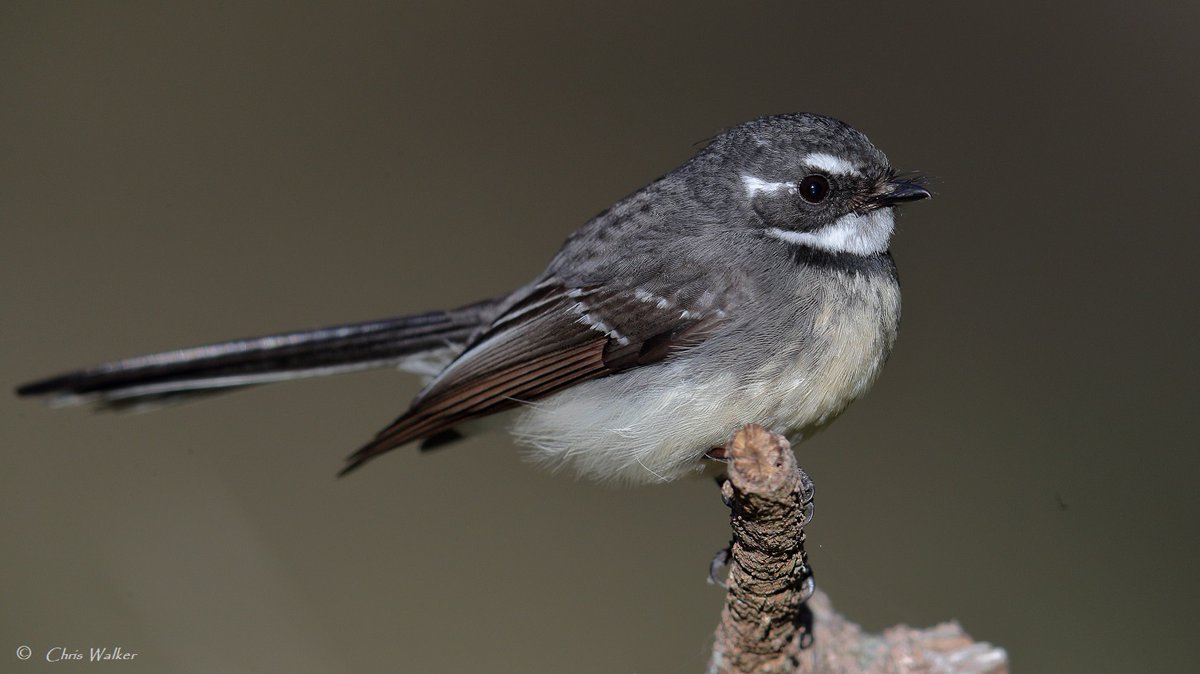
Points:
(865, 234)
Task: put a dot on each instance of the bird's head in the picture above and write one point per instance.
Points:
(814, 181)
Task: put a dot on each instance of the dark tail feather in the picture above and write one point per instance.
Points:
(173, 375)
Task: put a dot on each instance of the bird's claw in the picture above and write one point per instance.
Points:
(719, 561)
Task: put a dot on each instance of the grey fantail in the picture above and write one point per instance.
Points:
(751, 284)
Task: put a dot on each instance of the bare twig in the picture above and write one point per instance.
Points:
(767, 624)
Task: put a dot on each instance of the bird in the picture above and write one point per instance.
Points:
(752, 284)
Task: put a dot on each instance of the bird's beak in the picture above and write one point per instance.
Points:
(899, 191)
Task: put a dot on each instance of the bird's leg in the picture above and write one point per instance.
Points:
(717, 456)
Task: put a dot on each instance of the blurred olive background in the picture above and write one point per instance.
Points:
(180, 174)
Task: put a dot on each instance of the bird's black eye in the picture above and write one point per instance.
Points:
(814, 189)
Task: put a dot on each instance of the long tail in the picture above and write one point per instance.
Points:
(171, 376)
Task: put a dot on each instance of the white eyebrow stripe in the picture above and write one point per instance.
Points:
(754, 185)
(831, 164)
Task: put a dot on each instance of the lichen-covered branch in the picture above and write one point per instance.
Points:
(841, 647)
(768, 624)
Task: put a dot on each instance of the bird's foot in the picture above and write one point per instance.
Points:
(719, 561)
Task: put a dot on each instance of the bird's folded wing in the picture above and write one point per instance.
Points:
(553, 338)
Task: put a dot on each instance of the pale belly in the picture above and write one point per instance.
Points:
(851, 348)
(655, 423)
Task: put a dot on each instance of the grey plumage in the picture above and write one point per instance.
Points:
(751, 284)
